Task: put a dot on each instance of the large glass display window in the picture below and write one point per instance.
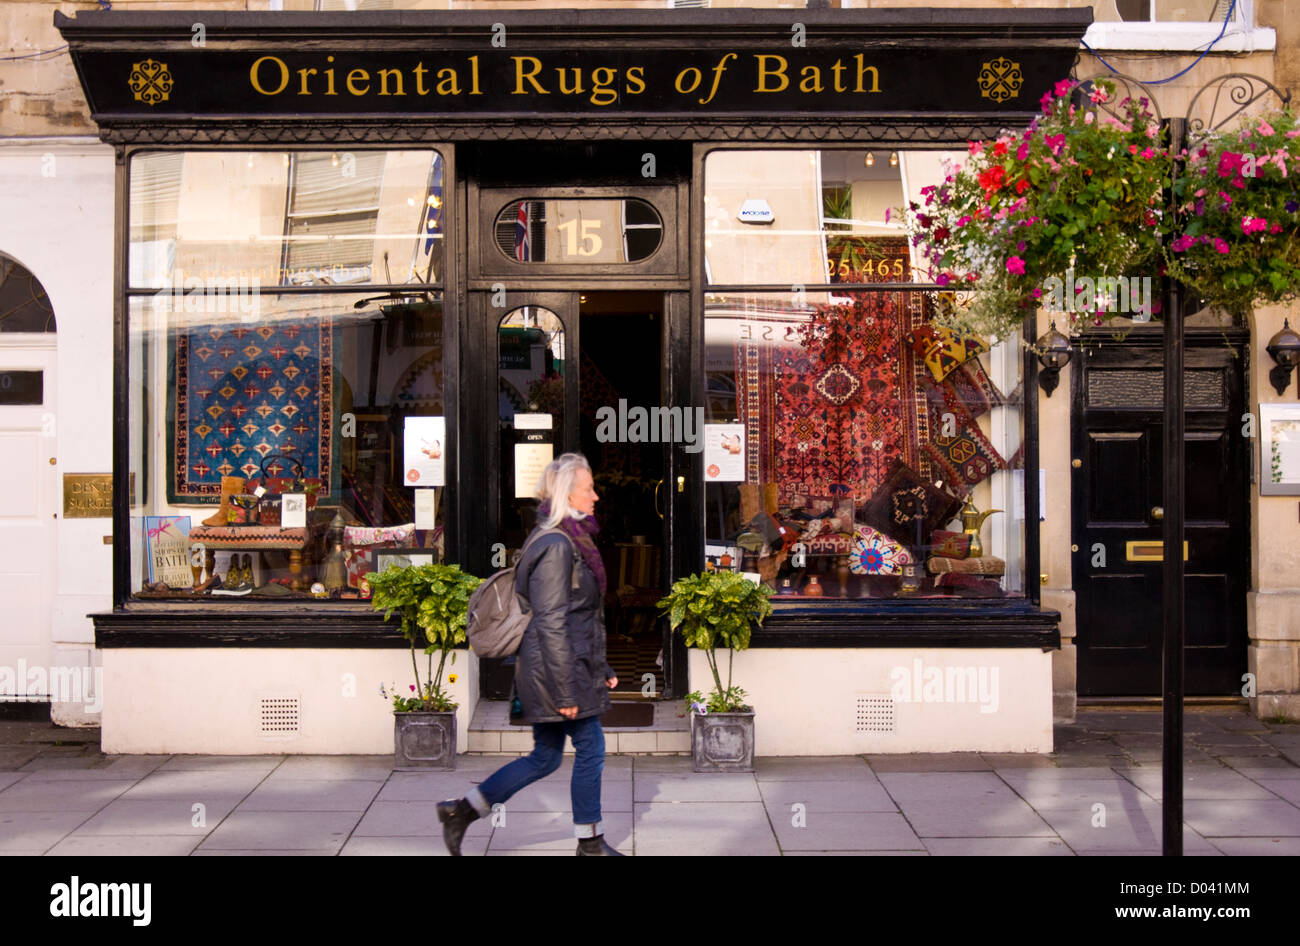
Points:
(856, 448)
(288, 418)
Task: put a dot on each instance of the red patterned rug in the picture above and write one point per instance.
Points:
(828, 416)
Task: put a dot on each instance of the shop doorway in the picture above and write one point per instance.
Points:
(584, 371)
(1117, 485)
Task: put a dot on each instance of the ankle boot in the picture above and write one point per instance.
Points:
(455, 816)
(595, 847)
(230, 486)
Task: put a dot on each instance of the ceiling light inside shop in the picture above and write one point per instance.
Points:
(893, 159)
(871, 159)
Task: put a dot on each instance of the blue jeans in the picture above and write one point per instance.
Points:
(548, 751)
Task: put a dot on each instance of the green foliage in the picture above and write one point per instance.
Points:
(432, 602)
(1237, 204)
(717, 609)
(730, 700)
(1078, 189)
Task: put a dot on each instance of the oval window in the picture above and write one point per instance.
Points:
(579, 230)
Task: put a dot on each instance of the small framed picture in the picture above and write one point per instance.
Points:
(403, 557)
(1279, 447)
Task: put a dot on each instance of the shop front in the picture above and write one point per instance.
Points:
(375, 270)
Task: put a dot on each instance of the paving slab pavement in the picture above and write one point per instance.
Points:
(1097, 794)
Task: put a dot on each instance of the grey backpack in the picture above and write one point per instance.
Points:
(497, 617)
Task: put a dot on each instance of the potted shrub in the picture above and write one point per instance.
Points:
(712, 610)
(432, 601)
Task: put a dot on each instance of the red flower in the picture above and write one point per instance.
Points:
(992, 180)
(1022, 185)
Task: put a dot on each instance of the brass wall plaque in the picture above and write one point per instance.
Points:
(87, 495)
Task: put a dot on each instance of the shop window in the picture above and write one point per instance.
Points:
(848, 433)
(283, 443)
(579, 230)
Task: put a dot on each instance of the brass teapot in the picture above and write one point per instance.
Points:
(972, 520)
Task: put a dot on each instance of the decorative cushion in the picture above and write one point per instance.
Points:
(984, 565)
(958, 447)
(970, 385)
(942, 349)
(949, 544)
(876, 554)
(903, 501)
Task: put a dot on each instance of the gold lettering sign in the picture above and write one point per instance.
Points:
(89, 495)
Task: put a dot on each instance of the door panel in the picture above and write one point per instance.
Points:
(1117, 494)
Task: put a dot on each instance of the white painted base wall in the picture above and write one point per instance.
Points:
(807, 700)
(208, 701)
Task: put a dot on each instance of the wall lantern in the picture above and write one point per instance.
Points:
(1054, 353)
(1284, 347)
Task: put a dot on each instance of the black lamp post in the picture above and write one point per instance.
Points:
(1284, 347)
(1054, 353)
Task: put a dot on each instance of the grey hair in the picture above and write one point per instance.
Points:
(556, 485)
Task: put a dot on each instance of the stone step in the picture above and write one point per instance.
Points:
(490, 733)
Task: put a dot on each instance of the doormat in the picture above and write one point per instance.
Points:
(629, 715)
(242, 394)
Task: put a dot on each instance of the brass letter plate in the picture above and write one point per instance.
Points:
(1149, 550)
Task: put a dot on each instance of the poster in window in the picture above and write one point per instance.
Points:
(167, 543)
(724, 453)
(424, 441)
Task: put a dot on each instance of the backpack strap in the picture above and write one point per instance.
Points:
(573, 583)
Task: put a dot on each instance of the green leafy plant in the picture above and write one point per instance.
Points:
(1078, 190)
(712, 610)
(1237, 203)
(432, 602)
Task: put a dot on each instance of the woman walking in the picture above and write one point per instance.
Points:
(561, 675)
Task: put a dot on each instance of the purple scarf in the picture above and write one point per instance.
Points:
(581, 531)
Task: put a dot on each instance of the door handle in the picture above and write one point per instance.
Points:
(658, 483)
(1157, 513)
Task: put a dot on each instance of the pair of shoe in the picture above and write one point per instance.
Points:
(240, 573)
(459, 814)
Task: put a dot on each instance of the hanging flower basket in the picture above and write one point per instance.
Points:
(1077, 193)
(1237, 201)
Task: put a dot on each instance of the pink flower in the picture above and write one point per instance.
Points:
(1265, 128)
(1016, 265)
(1132, 149)
(1062, 87)
(1148, 153)
(1055, 142)
(1293, 133)
(1038, 293)
(976, 147)
(1023, 151)
(1229, 164)
(1276, 228)
(1253, 224)
(943, 279)
(1098, 94)
(963, 220)
(1221, 245)
(1088, 119)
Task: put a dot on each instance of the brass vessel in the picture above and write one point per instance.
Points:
(972, 520)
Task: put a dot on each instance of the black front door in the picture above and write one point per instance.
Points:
(1117, 490)
(581, 371)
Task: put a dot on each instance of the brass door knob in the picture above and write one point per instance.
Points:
(1157, 513)
(1076, 464)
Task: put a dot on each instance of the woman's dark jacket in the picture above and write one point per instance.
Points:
(561, 659)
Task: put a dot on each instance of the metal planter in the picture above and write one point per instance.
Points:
(424, 740)
(722, 742)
